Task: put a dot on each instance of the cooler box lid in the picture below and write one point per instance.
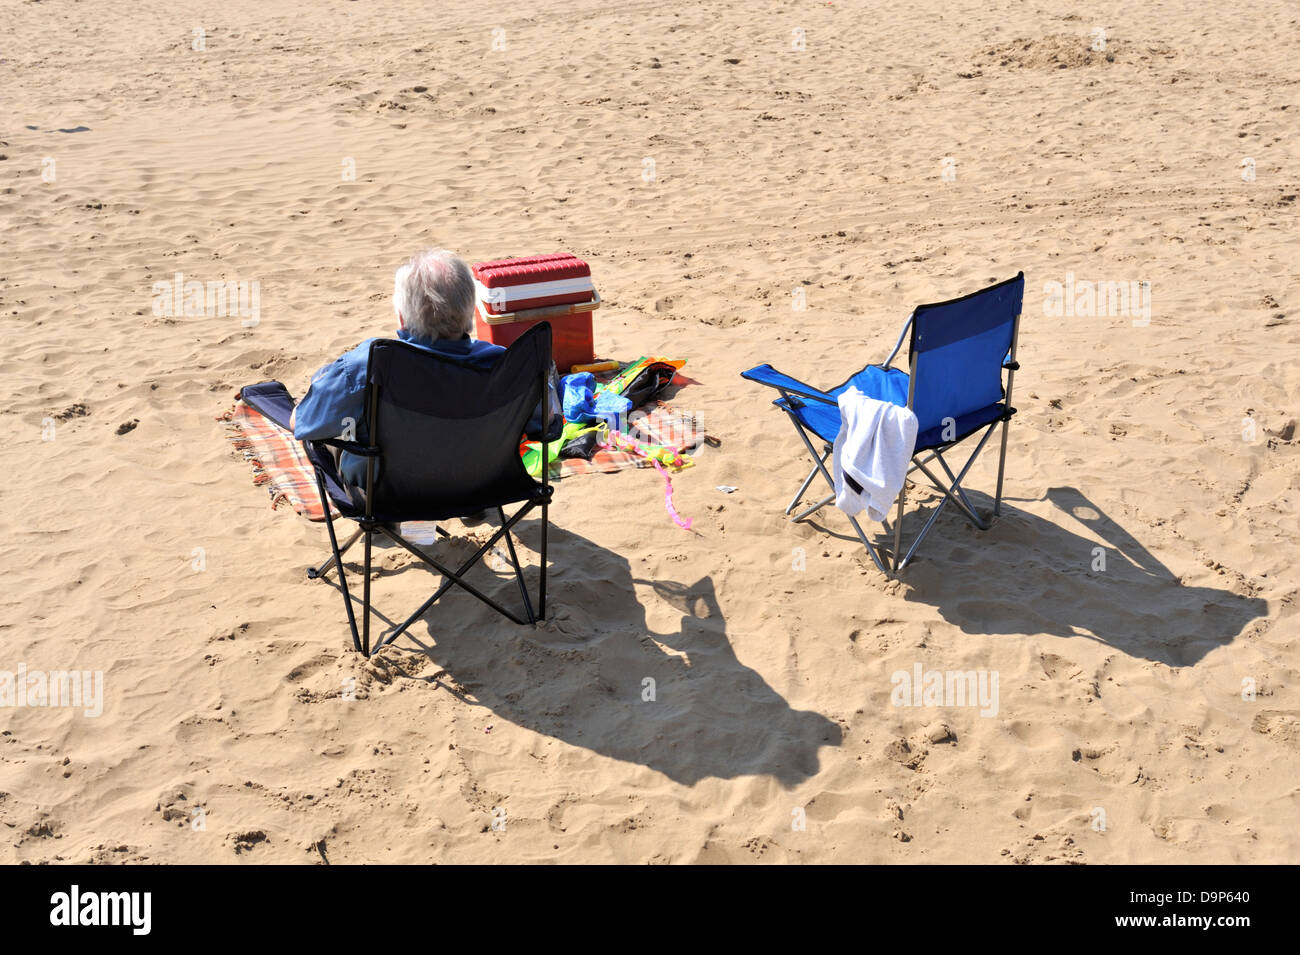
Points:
(537, 281)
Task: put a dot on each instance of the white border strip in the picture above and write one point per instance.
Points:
(505, 294)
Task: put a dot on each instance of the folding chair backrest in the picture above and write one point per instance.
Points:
(448, 432)
(957, 352)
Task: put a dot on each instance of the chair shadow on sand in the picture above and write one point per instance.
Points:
(1037, 576)
(581, 677)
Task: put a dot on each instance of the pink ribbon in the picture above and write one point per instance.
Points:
(617, 440)
(668, 498)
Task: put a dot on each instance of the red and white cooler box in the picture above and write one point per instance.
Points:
(516, 294)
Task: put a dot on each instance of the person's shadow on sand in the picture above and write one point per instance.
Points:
(1036, 576)
(596, 676)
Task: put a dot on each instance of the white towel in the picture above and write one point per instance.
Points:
(874, 448)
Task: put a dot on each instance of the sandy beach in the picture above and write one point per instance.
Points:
(750, 182)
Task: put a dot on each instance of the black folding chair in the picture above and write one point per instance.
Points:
(441, 440)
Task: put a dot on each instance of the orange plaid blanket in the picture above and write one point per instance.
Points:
(279, 462)
(281, 466)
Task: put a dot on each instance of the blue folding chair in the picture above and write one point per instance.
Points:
(958, 352)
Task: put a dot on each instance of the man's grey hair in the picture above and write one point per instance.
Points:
(434, 294)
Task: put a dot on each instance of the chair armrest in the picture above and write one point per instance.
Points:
(769, 376)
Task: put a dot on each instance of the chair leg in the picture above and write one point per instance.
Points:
(961, 493)
(314, 573)
(361, 635)
(948, 494)
(924, 530)
(519, 572)
(455, 578)
(819, 465)
(1002, 462)
(338, 559)
(365, 601)
(804, 487)
(875, 555)
(541, 590)
(898, 527)
(961, 476)
(816, 507)
(420, 612)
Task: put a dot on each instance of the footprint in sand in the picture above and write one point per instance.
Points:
(1282, 726)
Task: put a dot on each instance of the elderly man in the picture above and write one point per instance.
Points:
(434, 300)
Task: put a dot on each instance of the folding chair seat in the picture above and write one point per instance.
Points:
(958, 352)
(440, 440)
